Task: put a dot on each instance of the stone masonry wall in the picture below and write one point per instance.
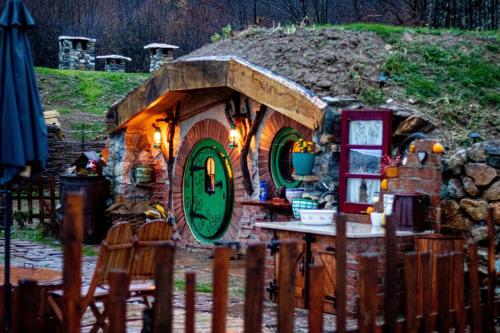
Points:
(115, 67)
(76, 58)
(158, 57)
(472, 185)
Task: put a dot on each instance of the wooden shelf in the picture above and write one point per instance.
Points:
(308, 178)
(277, 204)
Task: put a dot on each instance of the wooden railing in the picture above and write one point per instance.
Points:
(466, 310)
(37, 200)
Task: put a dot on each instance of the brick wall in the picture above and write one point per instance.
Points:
(423, 178)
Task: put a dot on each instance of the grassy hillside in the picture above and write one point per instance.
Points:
(83, 97)
(451, 77)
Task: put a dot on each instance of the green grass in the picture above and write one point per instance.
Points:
(180, 285)
(90, 92)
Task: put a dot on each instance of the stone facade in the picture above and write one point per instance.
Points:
(115, 63)
(77, 53)
(472, 185)
(160, 54)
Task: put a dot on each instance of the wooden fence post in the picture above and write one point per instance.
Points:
(340, 279)
(27, 303)
(190, 301)
(41, 208)
(72, 266)
(459, 292)
(254, 287)
(391, 262)
(163, 305)
(490, 308)
(316, 298)
(425, 263)
(475, 301)
(30, 203)
(52, 192)
(116, 304)
(220, 279)
(443, 262)
(368, 287)
(286, 286)
(410, 275)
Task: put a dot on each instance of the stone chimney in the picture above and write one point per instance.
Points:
(76, 53)
(114, 62)
(159, 54)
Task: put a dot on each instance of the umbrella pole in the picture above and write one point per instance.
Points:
(7, 287)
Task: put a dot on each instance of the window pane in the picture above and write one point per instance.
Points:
(365, 132)
(362, 190)
(365, 161)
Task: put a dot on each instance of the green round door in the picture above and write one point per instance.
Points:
(208, 191)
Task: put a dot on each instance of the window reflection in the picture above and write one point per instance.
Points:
(210, 175)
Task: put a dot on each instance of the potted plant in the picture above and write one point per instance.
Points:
(303, 157)
(390, 166)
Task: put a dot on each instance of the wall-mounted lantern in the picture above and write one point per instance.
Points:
(233, 136)
(157, 137)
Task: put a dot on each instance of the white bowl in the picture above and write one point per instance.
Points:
(317, 216)
(293, 193)
(377, 219)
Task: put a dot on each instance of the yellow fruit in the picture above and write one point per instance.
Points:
(384, 184)
(412, 148)
(437, 148)
(370, 210)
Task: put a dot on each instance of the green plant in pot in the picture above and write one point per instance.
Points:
(303, 156)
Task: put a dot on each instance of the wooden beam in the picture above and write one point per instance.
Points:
(197, 74)
(276, 92)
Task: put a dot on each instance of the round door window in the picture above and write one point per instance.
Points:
(208, 191)
(281, 158)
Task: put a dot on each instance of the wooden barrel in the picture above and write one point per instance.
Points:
(95, 190)
(435, 244)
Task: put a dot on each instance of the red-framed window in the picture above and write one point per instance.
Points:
(366, 137)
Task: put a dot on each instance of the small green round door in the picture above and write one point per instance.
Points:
(208, 191)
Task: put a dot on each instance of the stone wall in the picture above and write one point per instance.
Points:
(62, 152)
(472, 185)
(73, 56)
(158, 57)
(115, 67)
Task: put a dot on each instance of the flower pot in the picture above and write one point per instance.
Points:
(392, 172)
(303, 163)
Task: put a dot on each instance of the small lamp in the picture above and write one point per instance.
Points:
(475, 137)
(233, 137)
(157, 137)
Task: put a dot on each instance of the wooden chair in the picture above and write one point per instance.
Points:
(116, 252)
(142, 274)
(124, 251)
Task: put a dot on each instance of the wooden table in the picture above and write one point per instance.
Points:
(317, 245)
(48, 280)
(273, 206)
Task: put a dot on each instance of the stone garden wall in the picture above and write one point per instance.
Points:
(472, 185)
(159, 57)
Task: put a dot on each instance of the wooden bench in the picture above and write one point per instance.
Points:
(121, 250)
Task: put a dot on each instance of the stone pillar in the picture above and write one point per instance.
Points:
(76, 53)
(160, 54)
(114, 63)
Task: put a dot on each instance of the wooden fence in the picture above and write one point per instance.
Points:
(36, 200)
(466, 309)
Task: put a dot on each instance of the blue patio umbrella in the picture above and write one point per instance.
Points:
(23, 135)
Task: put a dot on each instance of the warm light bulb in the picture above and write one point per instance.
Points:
(233, 136)
(157, 138)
